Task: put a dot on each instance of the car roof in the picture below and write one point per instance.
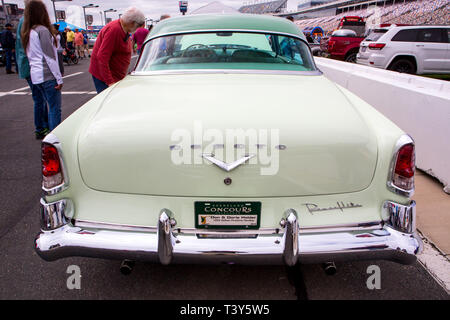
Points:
(244, 22)
(419, 27)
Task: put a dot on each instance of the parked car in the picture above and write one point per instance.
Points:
(311, 181)
(344, 45)
(344, 42)
(91, 39)
(408, 49)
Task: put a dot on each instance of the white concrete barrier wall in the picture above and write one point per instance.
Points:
(419, 106)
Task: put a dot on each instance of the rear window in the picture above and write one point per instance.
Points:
(408, 35)
(344, 33)
(226, 50)
(376, 34)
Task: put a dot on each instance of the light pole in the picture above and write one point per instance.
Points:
(5, 12)
(90, 5)
(54, 8)
(109, 10)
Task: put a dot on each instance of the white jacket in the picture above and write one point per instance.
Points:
(42, 55)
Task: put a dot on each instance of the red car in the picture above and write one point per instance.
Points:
(344, 42)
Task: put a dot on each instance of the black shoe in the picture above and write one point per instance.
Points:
(9, 72)
(41, 134)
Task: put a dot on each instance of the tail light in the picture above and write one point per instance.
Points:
(377, 46)
(331, 44)
(403, 168)
(51, 167)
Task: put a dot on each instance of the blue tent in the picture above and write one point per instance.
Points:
(63, 25)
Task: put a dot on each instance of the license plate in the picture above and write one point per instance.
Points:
(227, 215)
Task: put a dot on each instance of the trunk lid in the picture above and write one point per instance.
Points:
(128, 146)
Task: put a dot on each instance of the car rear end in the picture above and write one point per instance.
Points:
(129, 183)
(373, 49)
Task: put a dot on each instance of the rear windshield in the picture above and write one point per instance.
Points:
(226, 50)
(344, 33)
(376, 34)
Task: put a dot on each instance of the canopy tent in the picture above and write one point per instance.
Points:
(63, 25)
(313, 30)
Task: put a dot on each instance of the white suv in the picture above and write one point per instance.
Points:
(408, 49)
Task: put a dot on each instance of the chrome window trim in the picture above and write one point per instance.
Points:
(229, 30)
(224, 30)
(372, 225)
(54, 141)
(403, 140)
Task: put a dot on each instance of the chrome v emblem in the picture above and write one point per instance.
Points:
(227, 166)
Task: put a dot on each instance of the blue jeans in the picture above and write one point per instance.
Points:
(9, 58)
(99, 85)
(53, 98)
(40, 107)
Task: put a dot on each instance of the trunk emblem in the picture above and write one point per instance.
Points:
(227, 166)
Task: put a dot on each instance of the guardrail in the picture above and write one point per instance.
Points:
(419, 106)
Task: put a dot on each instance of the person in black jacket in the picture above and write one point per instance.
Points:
(8, 44)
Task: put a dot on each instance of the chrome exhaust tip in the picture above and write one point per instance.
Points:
(126, 267)
(329, 268)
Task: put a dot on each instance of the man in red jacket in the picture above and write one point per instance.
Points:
(112, 50)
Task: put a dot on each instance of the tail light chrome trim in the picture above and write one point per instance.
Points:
(51, 139)
(402, 141)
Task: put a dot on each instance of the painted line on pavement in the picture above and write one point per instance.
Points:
(29, 93)
(68, 76)
(17, 91)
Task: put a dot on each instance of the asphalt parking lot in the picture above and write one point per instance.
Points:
(23, 275)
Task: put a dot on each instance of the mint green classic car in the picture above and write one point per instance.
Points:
(226, 144)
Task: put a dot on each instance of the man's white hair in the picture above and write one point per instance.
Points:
(133, 15)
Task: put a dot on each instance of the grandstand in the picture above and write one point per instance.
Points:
(402, 12)
(265, 7)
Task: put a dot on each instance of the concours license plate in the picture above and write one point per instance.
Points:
(227, 215)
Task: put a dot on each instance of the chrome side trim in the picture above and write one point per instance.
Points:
(403, 140)
(53, 140)
(373, 225)
(113, 226)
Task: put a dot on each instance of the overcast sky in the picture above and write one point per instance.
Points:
(152, 8)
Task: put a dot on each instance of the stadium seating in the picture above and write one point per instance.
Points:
(413, 12)
(267, 7)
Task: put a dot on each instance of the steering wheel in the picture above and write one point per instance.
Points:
(199, 50)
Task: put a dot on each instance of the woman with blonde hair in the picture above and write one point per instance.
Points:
(40, 44)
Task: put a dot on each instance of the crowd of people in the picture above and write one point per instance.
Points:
(266, 7)
(39, 46)
(411, 12)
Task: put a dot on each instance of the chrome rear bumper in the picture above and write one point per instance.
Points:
(165, 245)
